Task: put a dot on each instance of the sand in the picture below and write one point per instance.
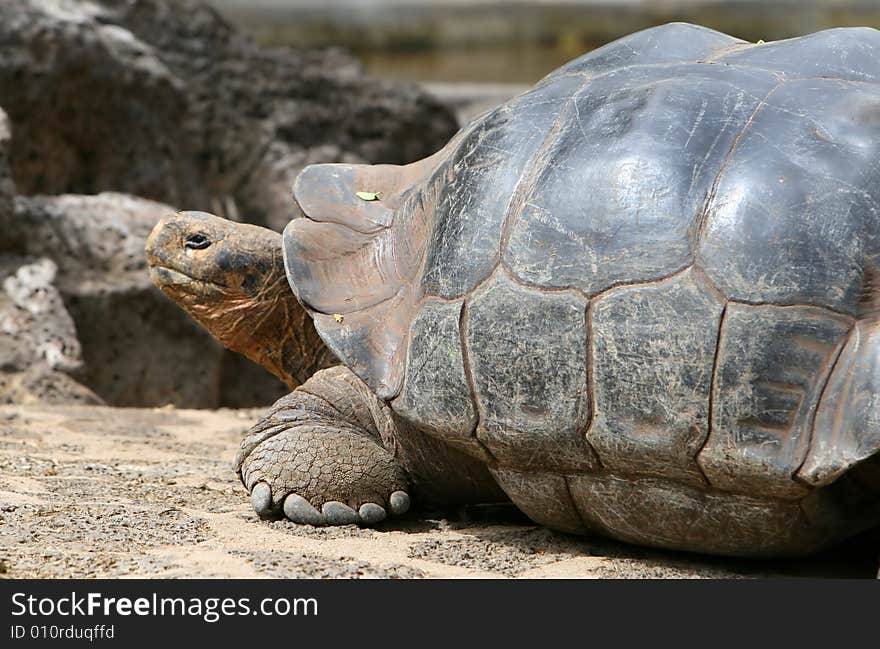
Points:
(121, 492)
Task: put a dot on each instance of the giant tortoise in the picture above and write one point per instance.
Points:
(638, 300)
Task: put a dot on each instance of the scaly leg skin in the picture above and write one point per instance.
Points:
(321, 456)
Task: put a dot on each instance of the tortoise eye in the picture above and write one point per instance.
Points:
(197, 241)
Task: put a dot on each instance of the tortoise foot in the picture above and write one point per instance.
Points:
(319, 476)
(319, 464)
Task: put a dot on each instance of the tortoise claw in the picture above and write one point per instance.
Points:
(399, 503)
(299, 510)
(333, 512)
(338, 513)
(261, 499)
(371, 513)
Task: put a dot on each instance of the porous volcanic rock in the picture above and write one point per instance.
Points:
(167, 101)
(119, 112)
(39, 350)
(138, 347)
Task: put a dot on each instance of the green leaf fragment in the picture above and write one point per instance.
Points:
(369, 196)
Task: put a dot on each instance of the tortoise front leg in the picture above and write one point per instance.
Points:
(323, 455)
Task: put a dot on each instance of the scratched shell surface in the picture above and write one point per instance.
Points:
(650, 265)
(662, 192)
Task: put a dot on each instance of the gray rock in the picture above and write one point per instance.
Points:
(129, 332)
(40, 385)
(35, 325)
(165, 100)
(39, 350)
(7, 187)
(93, 107)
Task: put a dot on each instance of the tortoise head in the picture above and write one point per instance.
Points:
(199, 259)
(230, 278)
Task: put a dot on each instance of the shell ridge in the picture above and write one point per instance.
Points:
(703, 216)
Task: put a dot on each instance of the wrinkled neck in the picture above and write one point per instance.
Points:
(269, 327)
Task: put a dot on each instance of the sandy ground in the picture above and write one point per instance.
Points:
(112, 492)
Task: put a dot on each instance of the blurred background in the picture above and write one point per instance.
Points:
(513, 41)
(476, 53)
(114, 113)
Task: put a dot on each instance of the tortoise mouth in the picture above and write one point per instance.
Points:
(175, 280)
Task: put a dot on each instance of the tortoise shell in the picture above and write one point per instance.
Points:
(641, 291)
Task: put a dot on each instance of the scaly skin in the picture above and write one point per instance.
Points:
(330, 452)
(230, 278)
(305, 453)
